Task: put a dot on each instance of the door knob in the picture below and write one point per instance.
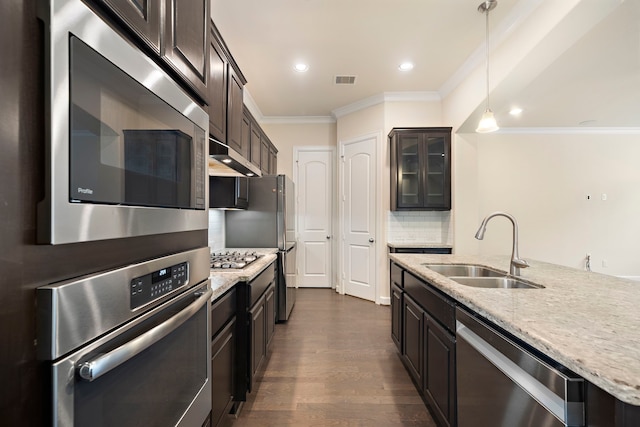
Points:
(328, 237)
(371, 240)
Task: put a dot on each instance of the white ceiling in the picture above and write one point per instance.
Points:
(596, 80)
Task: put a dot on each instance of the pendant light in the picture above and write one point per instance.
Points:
(488, 122)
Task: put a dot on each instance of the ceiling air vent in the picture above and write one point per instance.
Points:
(345, 80)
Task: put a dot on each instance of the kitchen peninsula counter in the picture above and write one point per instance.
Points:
(224, 279)
(587, 321)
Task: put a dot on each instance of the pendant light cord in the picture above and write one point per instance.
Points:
(487, 48)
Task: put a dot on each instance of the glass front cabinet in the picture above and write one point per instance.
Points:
(420, 168)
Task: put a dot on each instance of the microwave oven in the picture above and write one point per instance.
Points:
(127, 148)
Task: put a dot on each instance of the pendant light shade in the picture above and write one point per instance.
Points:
(488, 122)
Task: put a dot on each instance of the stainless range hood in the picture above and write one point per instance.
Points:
(225, 161)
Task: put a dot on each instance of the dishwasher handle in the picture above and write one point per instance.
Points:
(101, 365)
(569, 413)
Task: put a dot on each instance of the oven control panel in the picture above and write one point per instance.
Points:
(152, 286)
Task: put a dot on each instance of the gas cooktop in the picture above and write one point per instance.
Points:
(233, 259)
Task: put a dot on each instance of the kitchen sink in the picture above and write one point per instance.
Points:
(463, 270)
(495, 282)
(478, 276)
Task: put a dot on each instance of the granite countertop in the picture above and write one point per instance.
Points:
(420, 245)
(587, 321)
(224, 279)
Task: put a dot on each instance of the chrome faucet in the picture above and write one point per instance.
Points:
(516, 262)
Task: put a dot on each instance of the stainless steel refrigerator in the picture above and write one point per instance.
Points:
(269, 222)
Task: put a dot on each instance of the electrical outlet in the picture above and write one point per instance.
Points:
(605, 263)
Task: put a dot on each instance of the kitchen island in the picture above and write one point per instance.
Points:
(586, 321)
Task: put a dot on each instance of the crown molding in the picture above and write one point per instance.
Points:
(297, 120)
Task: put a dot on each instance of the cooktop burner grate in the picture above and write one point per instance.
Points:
(232, 259)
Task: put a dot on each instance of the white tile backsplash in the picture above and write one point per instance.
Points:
(216, 229)
(419, 227)
(402, 227)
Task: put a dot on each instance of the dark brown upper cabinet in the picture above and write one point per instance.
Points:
(235, 114)
(262, 152)
(256, 143)
(226, 90)
(420, 168)
(142, 17)
(273, 160)
(217, 87)
(176, 31)
(186, 40)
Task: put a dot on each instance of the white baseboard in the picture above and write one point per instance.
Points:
(385, 300)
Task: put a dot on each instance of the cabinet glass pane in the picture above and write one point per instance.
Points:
(409, 177)
(409, 155)
(409, 194)
(435, 145)
(435, 173)
(435, 163)
(435, 186)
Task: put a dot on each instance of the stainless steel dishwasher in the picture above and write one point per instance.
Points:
(502, 384)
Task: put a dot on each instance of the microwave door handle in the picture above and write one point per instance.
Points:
(101, 365)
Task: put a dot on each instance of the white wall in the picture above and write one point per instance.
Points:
(287, 136)
(543, 180)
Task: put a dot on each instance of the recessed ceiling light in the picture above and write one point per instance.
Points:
(227, 161)
(405, 66)
(249, 174)
(515, 111)
(300, 67)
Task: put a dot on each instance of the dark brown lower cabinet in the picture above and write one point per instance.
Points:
(413, 338)
(223, 355)
(439, 371)
(396, 315)
(270, 313)
(222, 373)
(424, 324)
(261, 328)
(257, 333)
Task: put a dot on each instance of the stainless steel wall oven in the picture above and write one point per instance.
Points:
(128, 147)
(131, 346)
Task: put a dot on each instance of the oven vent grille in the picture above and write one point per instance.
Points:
(345, 80)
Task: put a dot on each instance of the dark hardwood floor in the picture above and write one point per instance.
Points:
(334, 364)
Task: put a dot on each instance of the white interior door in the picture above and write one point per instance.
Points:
(314, 186)
(359, 218)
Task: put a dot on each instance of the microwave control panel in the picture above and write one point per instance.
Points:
(157, 284)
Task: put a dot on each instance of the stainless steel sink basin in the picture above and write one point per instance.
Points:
(463, 270)
(495, 282)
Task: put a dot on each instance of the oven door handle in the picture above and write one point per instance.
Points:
(101, 365)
